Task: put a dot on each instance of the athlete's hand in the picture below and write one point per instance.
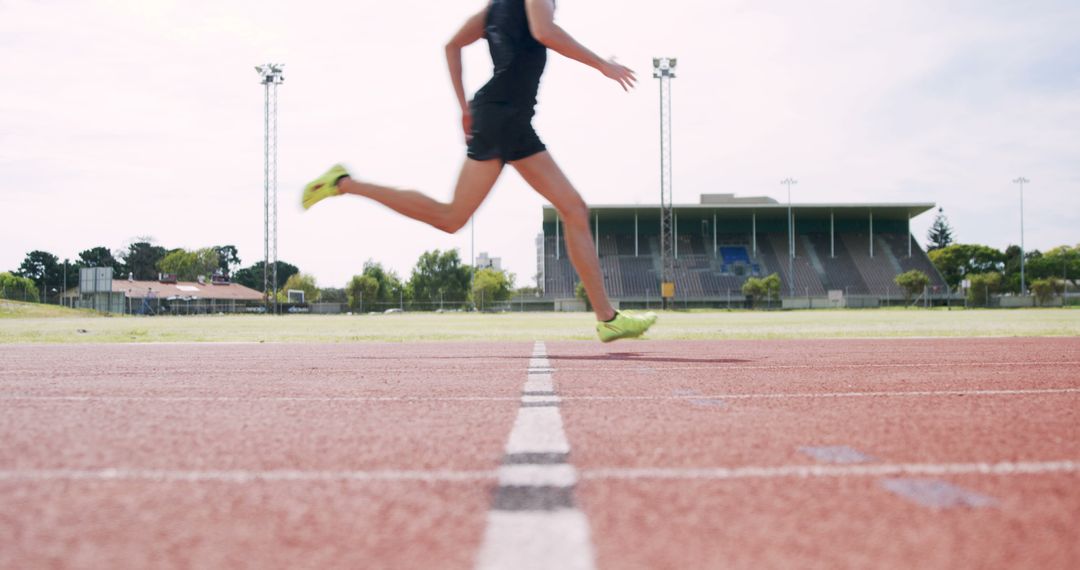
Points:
(621, 74)
(466, 123)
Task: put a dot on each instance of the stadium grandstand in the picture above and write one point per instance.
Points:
(844, 253)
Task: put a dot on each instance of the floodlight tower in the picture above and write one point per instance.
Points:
(272, 75)
(791, 237)
(1021, 181)
(664, 70)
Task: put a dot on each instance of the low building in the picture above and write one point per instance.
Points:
(99, 291)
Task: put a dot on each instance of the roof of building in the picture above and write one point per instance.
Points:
(185, 290)
(729, 205)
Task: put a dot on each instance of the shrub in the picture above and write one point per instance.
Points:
(1046, 289)
(362, 289)
(912, 282)
(17, 288)
(581, 294)
(762, 288)
(982, 286)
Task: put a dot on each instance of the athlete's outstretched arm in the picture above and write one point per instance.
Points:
(471, 31)
(542, 24)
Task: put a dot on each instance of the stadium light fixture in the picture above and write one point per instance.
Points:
(1021, 181)
(791, 237)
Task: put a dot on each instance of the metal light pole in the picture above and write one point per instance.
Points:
(791, 237)
(664, 70)
(1021, 181)
(272, 75)
(472, 252)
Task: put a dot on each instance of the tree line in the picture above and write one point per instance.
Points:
(988, 270)
(439, 278)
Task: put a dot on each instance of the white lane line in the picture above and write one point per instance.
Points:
(808, 471)
(243, 476)
(545, 386)
(524, 476)
(538, 430)
(267, 398)
(879, 394)
(533, 522)
(534, 540)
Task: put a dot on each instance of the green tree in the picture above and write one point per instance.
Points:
(18, 288)
(912, 282)
(228, 258)
(759, 289)
(389, 283)
(440, 276)
(1045, 289)
(582, 295)
(983, 285)
(190, 265)
(772, 286)
(490, 286)
(141, 259)
(361, 290)
(940, 234)
(252, 277)
(300, 282)
(754, 287)
(956, 261)
(44, 269)
(100, 256)
(1060, 262)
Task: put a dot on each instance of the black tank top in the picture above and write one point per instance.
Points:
(517, 57)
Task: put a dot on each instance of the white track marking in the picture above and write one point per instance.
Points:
(538, 430)
(533, 523)
(883, 394)
(812, 471)
(242, 476)
(532, 386)
(559, 475)
(717, 473)
(529, 540)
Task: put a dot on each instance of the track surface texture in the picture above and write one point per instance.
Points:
(958, 453)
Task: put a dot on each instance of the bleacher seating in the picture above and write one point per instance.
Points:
(699, 274)
(877, 272)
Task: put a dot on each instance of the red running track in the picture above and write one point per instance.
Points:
(778, 454)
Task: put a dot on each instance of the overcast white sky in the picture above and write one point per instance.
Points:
(132, 118)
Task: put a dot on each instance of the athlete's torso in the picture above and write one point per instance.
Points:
(518, 58)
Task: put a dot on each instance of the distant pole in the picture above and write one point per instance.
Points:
(472, 248)
(1021, 181)
(791, 237)
(272, 75)
(664, 70)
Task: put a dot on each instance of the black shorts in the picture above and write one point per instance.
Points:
(502, 131)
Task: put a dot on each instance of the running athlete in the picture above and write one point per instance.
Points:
(497, 124)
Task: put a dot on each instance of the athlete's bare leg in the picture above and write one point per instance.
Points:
(474, 183)
(541, 172)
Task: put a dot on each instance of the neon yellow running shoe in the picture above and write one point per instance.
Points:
(322, 187)
(625, 325)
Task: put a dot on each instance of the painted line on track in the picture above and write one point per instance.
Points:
(819, 471)
(534, 522)
(243, 476)
(513, 474)
(545, 396)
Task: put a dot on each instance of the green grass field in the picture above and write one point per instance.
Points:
(21, 323)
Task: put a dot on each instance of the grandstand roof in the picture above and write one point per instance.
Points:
(766, 208)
